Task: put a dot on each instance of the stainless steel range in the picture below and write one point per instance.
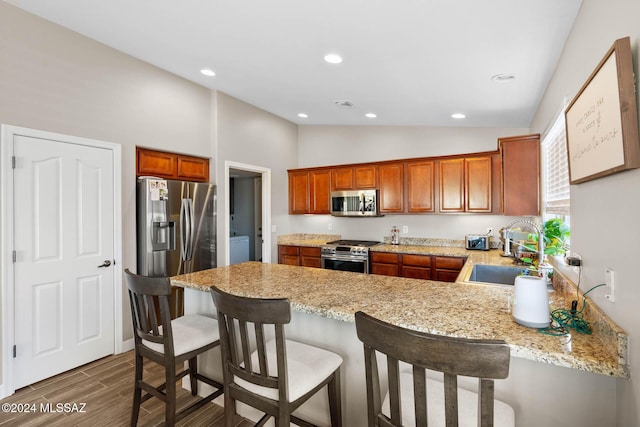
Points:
(347, 255)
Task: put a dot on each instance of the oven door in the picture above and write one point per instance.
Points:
(345, 263)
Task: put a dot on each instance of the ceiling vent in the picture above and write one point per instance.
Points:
(345, 103)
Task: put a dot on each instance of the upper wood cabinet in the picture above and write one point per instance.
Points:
(478, 184)
(354, 178)
(171, 165)
(521, 175)
(421, 186)
(466, 184)
(309, 191)
(391, 188)
(451, 174)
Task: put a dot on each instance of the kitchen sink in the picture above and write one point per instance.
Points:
(501, 274)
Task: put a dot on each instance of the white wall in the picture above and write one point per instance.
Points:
(249, 135)
(56, 80)
(333, 145)
(604, 212)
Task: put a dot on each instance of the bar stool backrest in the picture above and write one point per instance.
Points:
(484, 359)
(149, 299)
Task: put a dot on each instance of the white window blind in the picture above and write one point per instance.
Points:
(556, 169)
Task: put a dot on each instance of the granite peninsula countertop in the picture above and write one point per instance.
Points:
(455, 309)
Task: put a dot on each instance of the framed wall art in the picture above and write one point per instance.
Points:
(602, 119)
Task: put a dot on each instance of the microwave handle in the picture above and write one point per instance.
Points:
(362, 201)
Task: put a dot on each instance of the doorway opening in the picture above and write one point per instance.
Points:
(247, 213)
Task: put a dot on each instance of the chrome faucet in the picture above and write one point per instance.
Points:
(539, 231)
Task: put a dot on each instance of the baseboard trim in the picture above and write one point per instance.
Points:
(128, 345)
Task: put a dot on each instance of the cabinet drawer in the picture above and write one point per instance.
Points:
(416, 260)
(310, 251)
(288, 250)
(384, 257)
(452, 263)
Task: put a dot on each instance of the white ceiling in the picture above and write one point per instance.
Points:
(412, 62)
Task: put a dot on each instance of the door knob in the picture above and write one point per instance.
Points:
(106, 263)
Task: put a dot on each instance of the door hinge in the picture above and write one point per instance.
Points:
(14, 351)
(14, 256)
(13, 162)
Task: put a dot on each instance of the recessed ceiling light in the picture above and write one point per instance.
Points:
(503, 78)
(303, 115)
(458, 116)
(333, 58)
(371, 115)
(208, 72)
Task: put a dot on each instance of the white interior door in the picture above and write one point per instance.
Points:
(64, 237)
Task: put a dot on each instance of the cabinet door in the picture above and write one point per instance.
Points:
(319, 192)
(156, 163)
(420, 187)
(193, 168)
(385, 263)
(521, 175)
(288, 255)
(391, 186)
(451, 173)
(365, 176)
(416, 266)
(298, 192)
(310, 257)
(342, 179)
(478, 184)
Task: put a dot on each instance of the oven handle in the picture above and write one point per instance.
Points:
(344, 258)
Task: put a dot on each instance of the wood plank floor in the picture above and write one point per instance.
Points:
(106, 387)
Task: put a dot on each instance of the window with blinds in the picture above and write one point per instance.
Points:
(556, 170)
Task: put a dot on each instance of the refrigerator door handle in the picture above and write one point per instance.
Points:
(190, 229)
(184, 230)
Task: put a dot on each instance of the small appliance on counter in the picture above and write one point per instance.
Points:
(531, 302)
(395, 235)
(480, 242)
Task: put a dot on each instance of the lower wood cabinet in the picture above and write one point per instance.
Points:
(306, 256)
(385, 263)
(414, 266)
(446, 269)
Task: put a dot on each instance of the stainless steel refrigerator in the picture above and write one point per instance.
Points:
(176, 222)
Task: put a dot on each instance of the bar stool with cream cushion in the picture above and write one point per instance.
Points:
(279, 375)
(167, 342)
(409, 390)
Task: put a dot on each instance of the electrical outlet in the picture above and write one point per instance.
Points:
(490, 231)
(609, 278)
(405, 229)
(329, 226)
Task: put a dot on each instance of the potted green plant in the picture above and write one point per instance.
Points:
(556, 238)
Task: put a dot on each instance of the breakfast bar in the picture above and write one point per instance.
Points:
(323, 303)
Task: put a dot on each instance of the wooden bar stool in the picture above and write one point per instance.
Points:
(406, 402)
(280, 375)
(167, 342)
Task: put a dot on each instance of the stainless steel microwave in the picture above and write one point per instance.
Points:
(354, 203)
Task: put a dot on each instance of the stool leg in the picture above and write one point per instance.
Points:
(335, 400)
(137, 391)
(170, 394)
(193, 370)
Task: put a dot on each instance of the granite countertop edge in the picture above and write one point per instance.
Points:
(592, 355)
